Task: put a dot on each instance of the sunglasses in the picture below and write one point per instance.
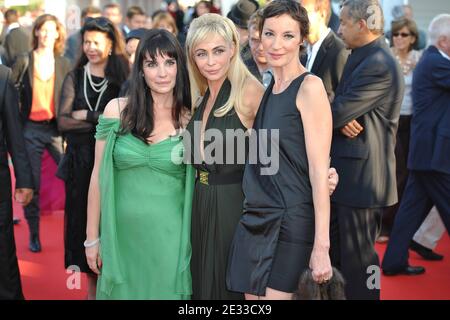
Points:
(99, 21)
(402, 34)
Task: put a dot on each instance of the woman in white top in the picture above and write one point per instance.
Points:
(404, 36)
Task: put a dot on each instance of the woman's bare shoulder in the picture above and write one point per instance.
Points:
(253, 92)
(115, 107)
(311, 86)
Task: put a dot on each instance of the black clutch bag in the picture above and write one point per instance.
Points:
(308, 289)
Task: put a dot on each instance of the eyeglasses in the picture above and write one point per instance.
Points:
(401, 34)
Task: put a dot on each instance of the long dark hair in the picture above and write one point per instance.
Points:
(138, 115)
(117, 68)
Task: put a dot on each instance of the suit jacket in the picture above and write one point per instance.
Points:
(253, 68)
(11, 139)
(62, 68)
(3, 54)
(329, 63)
(73, 47)
(370, 91)
(334, 22)
(17, 42)
(430, 125)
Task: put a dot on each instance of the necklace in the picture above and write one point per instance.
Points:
(97, 87)
(407, 65)
(283, 85)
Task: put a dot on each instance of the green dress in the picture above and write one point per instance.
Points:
(146, 199)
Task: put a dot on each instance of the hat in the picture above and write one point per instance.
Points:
(241, 12)
(136, 34)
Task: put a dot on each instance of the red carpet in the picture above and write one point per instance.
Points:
(433, 285)
(44, 276)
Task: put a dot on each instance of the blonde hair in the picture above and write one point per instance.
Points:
(200, 29)
(165, 17)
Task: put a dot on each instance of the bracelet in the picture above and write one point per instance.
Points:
(90, 244)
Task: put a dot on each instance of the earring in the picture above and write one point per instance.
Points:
(110, 52)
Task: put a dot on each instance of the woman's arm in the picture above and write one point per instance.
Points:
(93, 208)
(313, 105)
(254, 92)
(66, 120)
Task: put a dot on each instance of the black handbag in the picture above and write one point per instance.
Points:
(19, 85)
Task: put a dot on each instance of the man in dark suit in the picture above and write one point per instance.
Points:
(135, 19)
(12, 141)
(17, 39)
(333, 24)
(365, 111)
(429, 151)
(113, 12)
(326, 55)
(255, 60)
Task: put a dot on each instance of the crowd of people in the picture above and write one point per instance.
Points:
(339, 139)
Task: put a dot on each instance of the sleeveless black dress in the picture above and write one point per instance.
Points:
(273, 241)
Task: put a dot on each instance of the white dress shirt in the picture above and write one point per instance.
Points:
(12, 26)
(314, 49)
(444, 54)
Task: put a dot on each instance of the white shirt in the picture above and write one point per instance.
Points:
(12, 26)
(314, 49)
(444, 55)
(266, 77)
(126, 29)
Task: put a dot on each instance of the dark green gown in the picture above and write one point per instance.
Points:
(217, 207)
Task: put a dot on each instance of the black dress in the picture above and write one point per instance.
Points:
(274, 238)
(217, 204)
(78, 161)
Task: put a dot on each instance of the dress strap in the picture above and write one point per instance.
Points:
(303, 75)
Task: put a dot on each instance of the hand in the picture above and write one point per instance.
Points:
(333, 180)
(23, 196)
(79, 114)
(93, 258)
(320, 265)
(352, 129)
